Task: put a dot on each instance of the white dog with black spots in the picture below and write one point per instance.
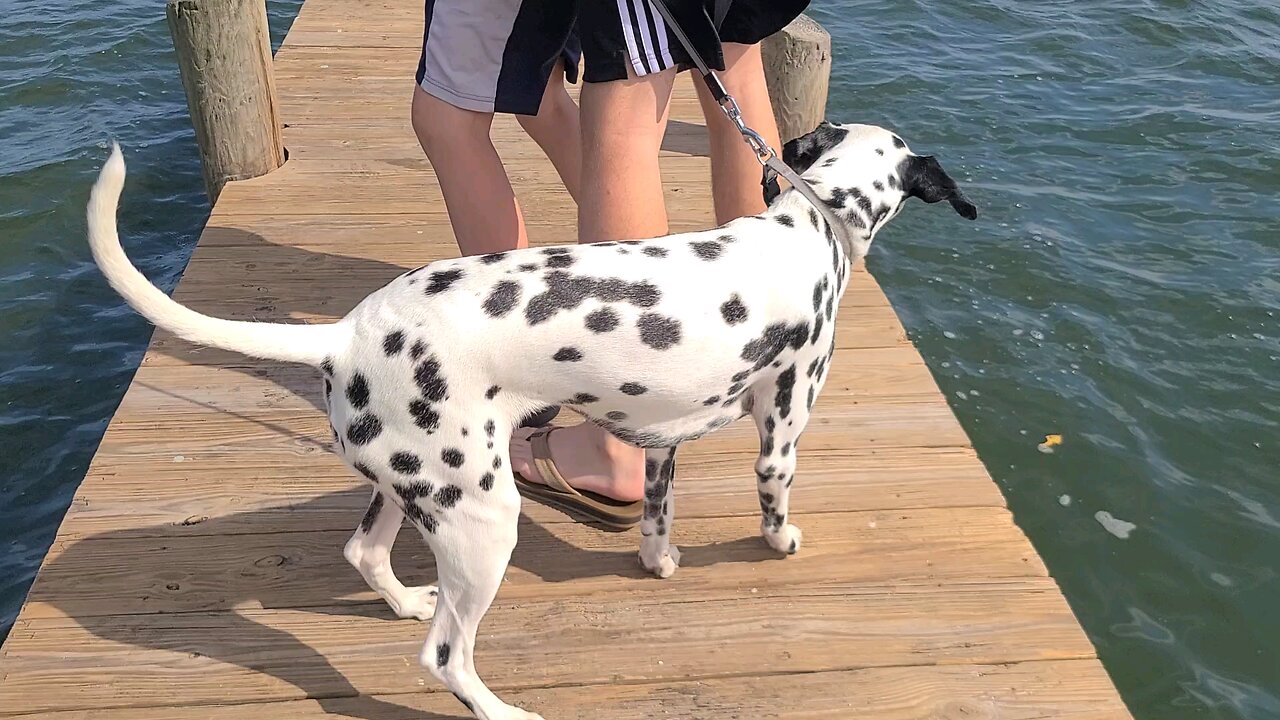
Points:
(426, 379)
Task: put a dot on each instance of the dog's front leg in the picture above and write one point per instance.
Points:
(780, 420)
(657, 554)
(369, 551)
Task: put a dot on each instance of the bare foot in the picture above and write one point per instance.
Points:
(589, 458)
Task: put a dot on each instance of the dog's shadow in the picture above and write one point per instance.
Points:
(280, 581)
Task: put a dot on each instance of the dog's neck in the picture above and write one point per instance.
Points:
(847, 230)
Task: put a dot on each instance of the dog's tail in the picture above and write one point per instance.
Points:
(308, 344)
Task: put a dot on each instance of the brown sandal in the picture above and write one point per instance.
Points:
(558, 493)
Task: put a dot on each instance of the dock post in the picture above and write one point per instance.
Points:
(797, 68)
(224, 54)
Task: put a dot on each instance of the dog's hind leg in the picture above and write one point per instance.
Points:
(369, 551)
(468, 516)
(657, 554)
(780, 418)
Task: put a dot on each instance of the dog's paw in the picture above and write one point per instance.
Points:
(663, 565)
(785, 540)
(416, 603)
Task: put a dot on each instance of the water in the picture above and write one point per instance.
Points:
(1122, 288)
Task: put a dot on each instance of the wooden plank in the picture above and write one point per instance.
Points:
(1063, 689)
(252, 488)
(278, 654)
(105, 575)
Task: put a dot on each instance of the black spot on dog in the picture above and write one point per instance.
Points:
(776, 338)
(817, 329)
(465, 432)
(879, 186)
(812, 395)
(602, 320)
(659, 332)
(441, 280)
(740, 376)
(830, 306)
(785, 219)
(364, 429)
(864, 203)
(371, 515)
(424, 416)
(567, 354)
(565, 292)
(504, 297)
(711, 400)
(813, 367)
(492, 393)
(393, 343)
(366, 472)
(766, 446)
(406, 463)
(486, 481)
(791, 550)
(448, 496)
(327, 366)
(838, 196)
(417, 350)
(786, 382)
(630, 388)
(497, 461)
(552, 251)
(817, 294)
(492, 258)
(770, 424)
(527, 267)
(582, 399)
(490, 427)
(786, 449)
(430, 382)
(892, 180)
(452, 457)
(328, 390)
(442, 654)
(616, 415)
(829, 162)
(733, 311)
(655, 251)
(813, 218)
(358, 391)
(897, 142)
(560, 261)
(879, 151)
(735, 388)
(707, 250)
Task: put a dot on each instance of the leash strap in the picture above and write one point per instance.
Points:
(771, 164)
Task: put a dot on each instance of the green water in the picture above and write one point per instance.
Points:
(1122, 288)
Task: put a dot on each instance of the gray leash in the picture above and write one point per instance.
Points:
(771, 164)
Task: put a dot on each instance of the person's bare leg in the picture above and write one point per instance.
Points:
(482, 206)
(735, 172)
(621, 199)
(557, 131)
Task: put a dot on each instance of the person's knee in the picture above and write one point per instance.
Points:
(556, 114)
(440, 125)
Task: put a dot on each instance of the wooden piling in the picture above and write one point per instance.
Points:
(224, 54)
(797, 67)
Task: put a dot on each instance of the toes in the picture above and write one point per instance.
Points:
(665, 565)
(786, 540)
(418, 603)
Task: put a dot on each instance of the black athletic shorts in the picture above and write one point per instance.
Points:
(497, 55)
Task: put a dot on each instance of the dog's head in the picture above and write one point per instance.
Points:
(867, 173)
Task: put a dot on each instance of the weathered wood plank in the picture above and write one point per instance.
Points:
(1064, 689)
(277, 654)
(275, 485)
(105, 575)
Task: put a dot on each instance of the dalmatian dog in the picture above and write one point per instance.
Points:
(659, 341)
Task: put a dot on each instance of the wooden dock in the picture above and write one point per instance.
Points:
(199, 572)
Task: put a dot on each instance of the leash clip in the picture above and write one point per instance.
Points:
(763, 152)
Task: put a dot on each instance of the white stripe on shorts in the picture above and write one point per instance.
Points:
(648, 48)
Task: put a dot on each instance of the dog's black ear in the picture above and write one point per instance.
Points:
(801, 153)
(923, 177)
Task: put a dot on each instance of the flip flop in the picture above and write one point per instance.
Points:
(557, 492)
